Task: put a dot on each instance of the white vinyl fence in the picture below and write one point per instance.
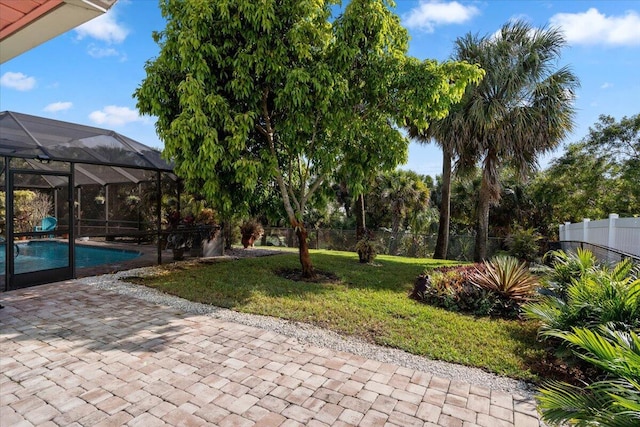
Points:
(620, 234)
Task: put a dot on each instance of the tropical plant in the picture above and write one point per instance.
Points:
(401, 194)
(367, 249)
(613, 401)
(567, 267)
(506, 276)
(263, 92)
(452, 289)
(445, 133)
(599, 296)
(522, 108)
(386, 208)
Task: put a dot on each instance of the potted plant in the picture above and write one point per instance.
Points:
(251, 231)
(367, 249)
(132, 201)
(178, 245)
(176, 240)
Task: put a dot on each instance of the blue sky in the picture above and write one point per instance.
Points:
(88, 75)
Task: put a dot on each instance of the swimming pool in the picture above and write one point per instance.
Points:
(43, 255)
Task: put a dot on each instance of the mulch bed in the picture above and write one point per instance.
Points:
(296, 275)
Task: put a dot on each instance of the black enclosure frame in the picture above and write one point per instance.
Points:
(60, 154)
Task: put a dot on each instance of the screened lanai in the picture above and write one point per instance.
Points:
(65, 182)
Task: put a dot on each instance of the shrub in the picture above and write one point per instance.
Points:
(523, 243)
(509, 280)
(567, 267)
(597, 296)
(614, 401)
(206, 216)
(506, 277)
(450, 288)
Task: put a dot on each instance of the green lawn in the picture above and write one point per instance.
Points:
(368, 301)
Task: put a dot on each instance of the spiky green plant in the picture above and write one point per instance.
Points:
(507, 277)
(598, 296)
(614, 401)
(566, 267)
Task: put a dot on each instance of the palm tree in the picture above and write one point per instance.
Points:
(405, 193)
(522, 108)
(445, 133)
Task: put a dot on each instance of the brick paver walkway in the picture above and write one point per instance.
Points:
(74, 355)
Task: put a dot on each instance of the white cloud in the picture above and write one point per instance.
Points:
(105, 28)
(101, 52)
(592, 27)
(606, 85)
(430, 14)
(17, 81)
(113, 115)
(58, 106)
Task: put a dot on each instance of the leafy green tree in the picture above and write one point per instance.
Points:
(522, 108)
(594, 177)
(247, 91)
(374, 48)
(618, 143)
(573, 187)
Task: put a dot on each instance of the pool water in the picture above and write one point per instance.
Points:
(44, 255)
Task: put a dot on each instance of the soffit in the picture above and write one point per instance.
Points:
(25, 24)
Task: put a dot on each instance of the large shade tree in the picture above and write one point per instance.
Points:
(252, 91)
(521, 109)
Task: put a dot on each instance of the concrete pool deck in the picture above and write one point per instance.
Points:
(75, 355)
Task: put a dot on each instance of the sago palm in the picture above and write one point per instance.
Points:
(598, 297)
(614, 401)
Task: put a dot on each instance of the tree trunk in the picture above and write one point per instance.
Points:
(303, 247)
(395, 232)
(228, 234)
(482, 225)
(442, 244)
(361, 225)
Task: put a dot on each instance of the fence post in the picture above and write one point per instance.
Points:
(611, 228)
(585, 230)
(562, 234)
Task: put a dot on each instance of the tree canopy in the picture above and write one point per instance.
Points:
(247, 91)
(596, 176)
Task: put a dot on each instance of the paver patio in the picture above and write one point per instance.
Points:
(74, 355)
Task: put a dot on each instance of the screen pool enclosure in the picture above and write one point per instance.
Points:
(64, 181)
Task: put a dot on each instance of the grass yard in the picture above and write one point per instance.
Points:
(367, 301)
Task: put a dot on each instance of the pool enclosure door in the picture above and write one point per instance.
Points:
(39, 243)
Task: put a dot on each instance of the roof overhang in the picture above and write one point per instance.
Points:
(25, 24)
